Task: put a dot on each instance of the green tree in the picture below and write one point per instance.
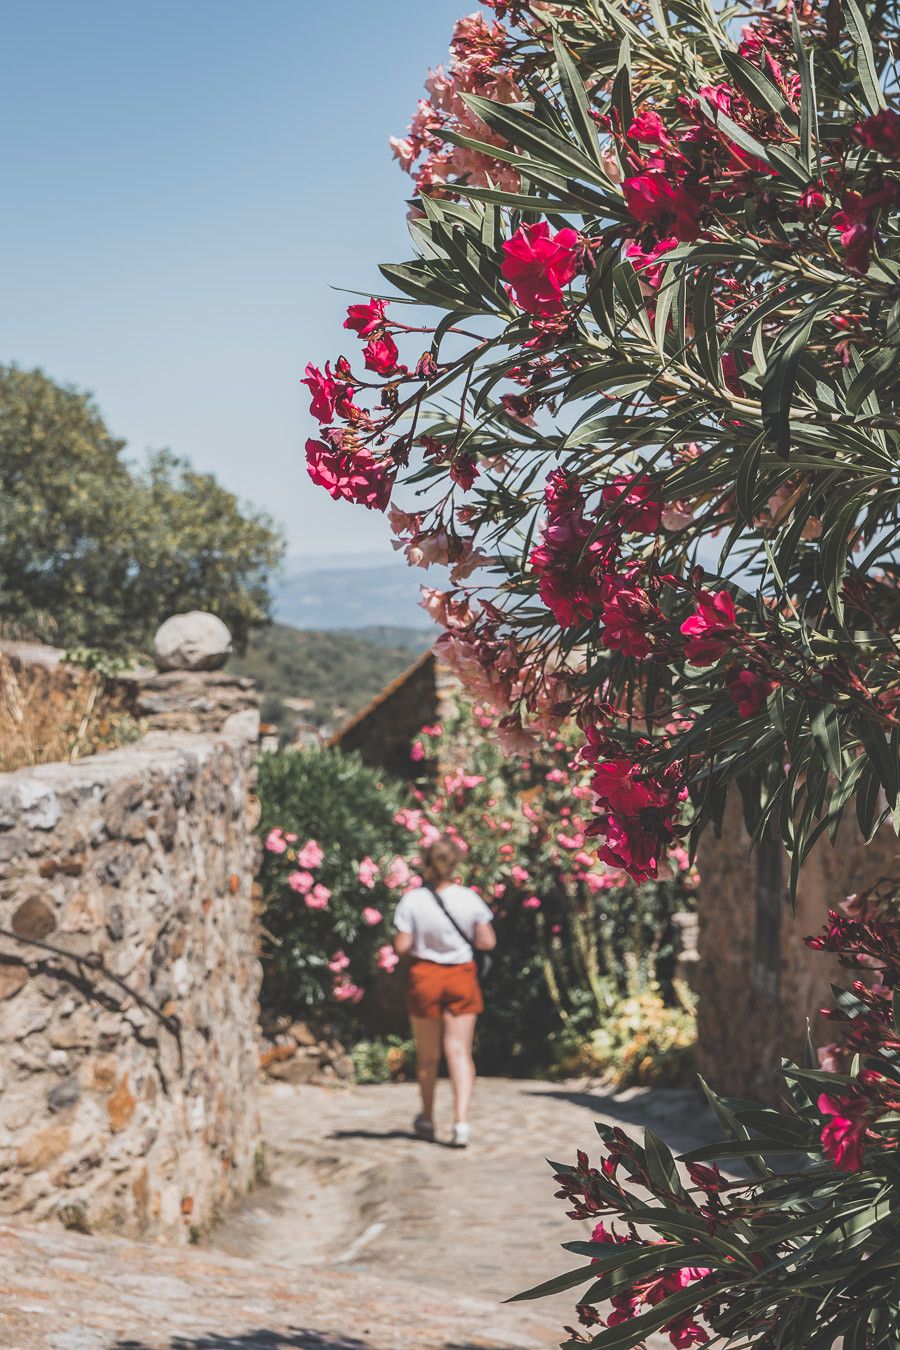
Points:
(92, 553)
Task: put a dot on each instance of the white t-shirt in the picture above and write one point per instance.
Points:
(434, 937)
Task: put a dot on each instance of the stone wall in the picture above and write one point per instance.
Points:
(143, 858)
(758, 984)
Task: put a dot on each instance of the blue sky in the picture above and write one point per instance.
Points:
(184, 180)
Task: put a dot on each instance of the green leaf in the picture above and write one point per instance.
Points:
(865, 57)
(779, 381)
(575, 97)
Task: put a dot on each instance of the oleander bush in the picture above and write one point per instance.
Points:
(655, 435)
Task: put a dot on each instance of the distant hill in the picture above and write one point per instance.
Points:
(356, 592)
(321, 678)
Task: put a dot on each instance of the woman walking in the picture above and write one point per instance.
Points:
(443, 924)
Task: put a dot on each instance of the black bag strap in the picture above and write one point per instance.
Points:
(434, 895)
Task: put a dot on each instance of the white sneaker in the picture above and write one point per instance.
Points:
(423, 1127)
(460, 1135)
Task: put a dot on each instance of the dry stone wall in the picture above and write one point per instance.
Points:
(144, 859)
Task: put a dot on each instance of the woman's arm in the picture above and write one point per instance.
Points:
(403, 943)
(485, 939)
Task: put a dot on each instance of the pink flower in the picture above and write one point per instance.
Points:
(387, 958)
(364, 319)
(371, 915)
(368, 873)
(302, 882)
(748, 691)
(519, 874)
(318, 897)
(404, 151)
(637, 505)
(531, 903)
(275, 842)
(328, 394)
(555, 776)
(381, 355)
(648, 262)
(417, 751)
(398, 873)
(537, 266)
(356, 477)
(829, 1057)
(345, 991)
(310, 855)
(843, 1138)
(710, 628)
(671, 208)
(340, 961)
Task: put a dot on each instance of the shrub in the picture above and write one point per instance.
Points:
(388, 1060)
(643, 1042)
(325, 817)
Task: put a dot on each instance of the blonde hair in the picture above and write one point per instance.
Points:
(440, 859)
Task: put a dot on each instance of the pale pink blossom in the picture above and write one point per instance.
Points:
(417, 751)
(519, 874)
(398, 873)
(368, 873)
(531, 903)
(404, 151)
(275, 841)
(387, 958)
(291, 838)
(318, 897)
(301, 882)
(410, 820)
(829, 1057)
(340, 961)
(310, 855)
(371, 915)
(445, 610)
(429, 834)
(345, 991)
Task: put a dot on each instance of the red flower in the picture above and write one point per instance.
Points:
(648, 262)
(325, 391)
(843, 1138)
(671, 208)
(649, 128)
(627, 616)
(638, 508)
(684, 1332)
(537, 266)
(811, 198)
(356, 477)
(364, 319)
(709, 629)
(619, 786)
(880, 132)
(381, 355)
(748, 691)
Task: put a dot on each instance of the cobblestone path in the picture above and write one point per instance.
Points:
(365, 1238)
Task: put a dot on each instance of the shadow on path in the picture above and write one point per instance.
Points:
(293, 1339)
(681, 1116)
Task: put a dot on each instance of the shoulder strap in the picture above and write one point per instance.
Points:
(434, 895)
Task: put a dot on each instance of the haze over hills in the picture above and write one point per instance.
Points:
(363, 590)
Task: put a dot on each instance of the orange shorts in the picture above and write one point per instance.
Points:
(434, 988)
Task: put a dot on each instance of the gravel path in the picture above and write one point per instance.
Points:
(365, 1239)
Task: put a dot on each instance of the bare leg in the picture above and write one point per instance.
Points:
(427, 1031)
(458, 1035)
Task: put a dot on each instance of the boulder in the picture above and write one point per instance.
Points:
(193, 641)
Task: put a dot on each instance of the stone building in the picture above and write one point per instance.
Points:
(385, 730)
(758, 984)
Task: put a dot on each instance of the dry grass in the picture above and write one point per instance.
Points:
(58, 713)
